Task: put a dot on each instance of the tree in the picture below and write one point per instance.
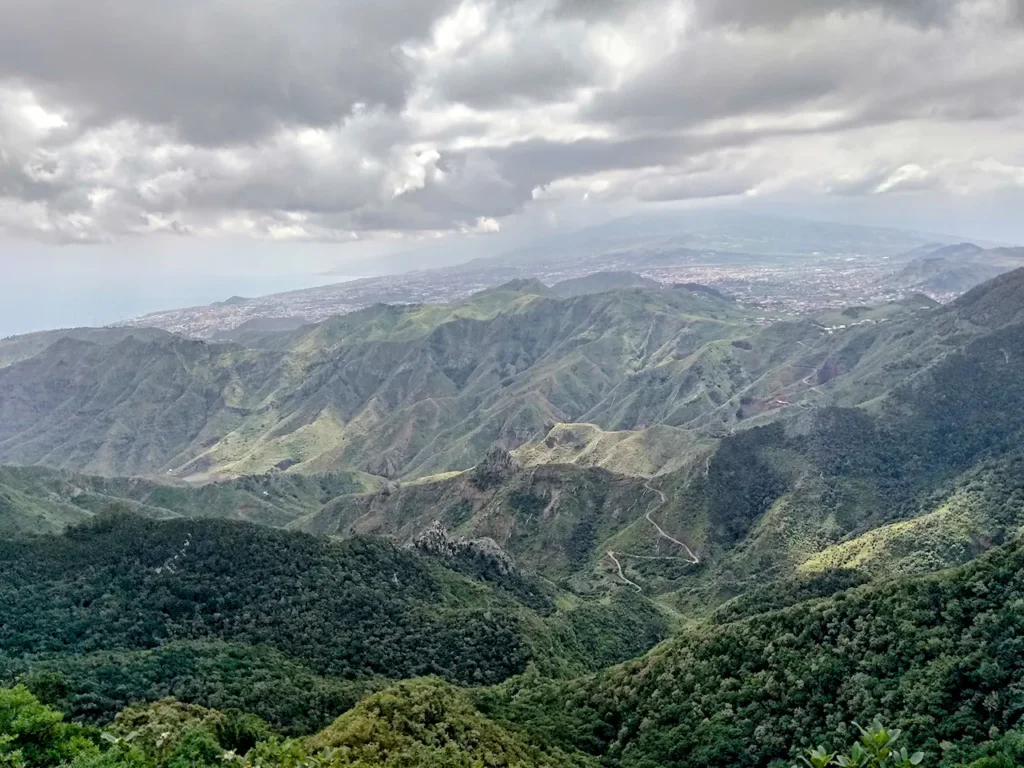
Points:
(33, 735)
(874, 750)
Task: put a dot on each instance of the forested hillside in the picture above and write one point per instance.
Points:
(118, 603)
(633, 528)
(937, 655)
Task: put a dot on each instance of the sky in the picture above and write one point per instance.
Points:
(155, 153)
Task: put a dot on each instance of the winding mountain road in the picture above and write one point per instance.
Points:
(622, 575)
(661, 532)
(691, 558)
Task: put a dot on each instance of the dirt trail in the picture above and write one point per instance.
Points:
(622, 576)
(661, 532)
(691, 558)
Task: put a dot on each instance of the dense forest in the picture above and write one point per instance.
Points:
(923, 670)
(123, 609)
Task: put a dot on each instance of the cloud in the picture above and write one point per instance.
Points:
(309, 120)
(215, 72)
(784, 12)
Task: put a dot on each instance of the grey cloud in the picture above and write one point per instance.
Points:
(215, 72)
(183, 117)
(525, 58)
(712, 78)
(593, 10)
(530, 71)
(693, 186)
(784, 12)
(887, 181)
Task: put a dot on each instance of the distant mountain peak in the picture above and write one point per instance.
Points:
(600, 282)
(957, 250)
(528, 285)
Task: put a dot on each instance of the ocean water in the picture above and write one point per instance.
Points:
(33, 302)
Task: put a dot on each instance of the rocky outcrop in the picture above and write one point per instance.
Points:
(497, 464)
(436, 541)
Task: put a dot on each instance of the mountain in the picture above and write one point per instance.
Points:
(724, 230)
(954, 269)
(609, 400)
(931, 656)
(944, 275)
(393, 391)
(639, 527)
(14, 349)
(43, 500)
(918, 652)
(599, 282)
(411, 391)
(914, 468)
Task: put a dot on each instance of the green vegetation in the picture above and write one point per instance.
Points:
(392, 391)
(830, 513)
(935, 655)
(599, 282)
(289, 626)
(41, 500)
(94, 687)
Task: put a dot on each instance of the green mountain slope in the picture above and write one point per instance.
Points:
(389, 390)
(922, 478)
(42, 500)
(14, 349)
(427, 723)
(935, 655)
(599, 282)
(412, 391)
(121, 605)
(751, 470)
(409, 391)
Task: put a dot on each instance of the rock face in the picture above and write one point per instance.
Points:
(436, 541)
(494, 467)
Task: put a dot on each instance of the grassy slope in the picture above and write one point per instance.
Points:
(41, 500)
(389, 390)
(640, 453)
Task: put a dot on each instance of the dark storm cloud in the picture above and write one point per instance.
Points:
(215, 72)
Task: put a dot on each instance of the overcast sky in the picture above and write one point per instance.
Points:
(330, 130)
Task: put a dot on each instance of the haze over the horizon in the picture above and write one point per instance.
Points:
(156, 154)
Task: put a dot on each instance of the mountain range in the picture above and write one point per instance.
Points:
(786, 522)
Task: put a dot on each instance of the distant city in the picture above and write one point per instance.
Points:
(785, 266)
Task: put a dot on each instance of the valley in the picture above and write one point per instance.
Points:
(555, 508)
